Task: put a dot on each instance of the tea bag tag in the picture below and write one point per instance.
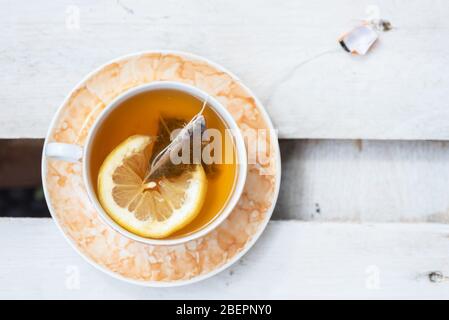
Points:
(359, 40)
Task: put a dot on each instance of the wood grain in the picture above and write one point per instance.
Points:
(302, 260)
(364, 181)
(286, 53)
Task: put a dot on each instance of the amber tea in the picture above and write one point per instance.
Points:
(136, 131)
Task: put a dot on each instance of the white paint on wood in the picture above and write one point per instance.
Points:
(286, 52)
(301, 260)
(364, 181)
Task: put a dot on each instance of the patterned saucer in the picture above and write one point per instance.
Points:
(133, 261)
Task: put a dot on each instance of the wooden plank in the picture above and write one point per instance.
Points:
(364, 181)
(287, 53)
(302, 260)
(346, 181)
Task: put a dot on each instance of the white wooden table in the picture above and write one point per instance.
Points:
(363, 217)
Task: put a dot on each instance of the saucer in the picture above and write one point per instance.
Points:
(130, 260)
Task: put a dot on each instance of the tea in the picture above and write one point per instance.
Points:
(157, 113)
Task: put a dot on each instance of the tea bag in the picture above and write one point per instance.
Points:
(161, 163)
(360, 39)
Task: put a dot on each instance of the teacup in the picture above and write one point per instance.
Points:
(76, 153)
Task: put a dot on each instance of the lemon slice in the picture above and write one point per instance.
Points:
(153, 209)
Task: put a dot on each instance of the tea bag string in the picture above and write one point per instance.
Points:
(201, 111)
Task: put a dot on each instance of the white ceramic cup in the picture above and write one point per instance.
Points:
(75, 153)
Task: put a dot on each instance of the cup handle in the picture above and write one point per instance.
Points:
(64, 151)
